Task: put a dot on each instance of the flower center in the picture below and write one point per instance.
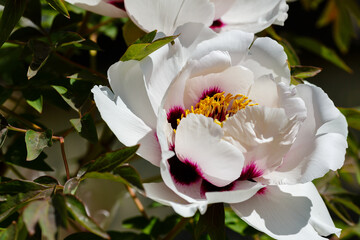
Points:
(219, 107)
(117, 3)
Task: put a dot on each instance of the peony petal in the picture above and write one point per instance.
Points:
(126, 126)
(236, 43)
(198, 140)
(161, 193)
(266, 57)
(167, 15)
(127, 82)
(256, 15)
(264, 92)
(221, 7)
(321, 142)
(242, 191)
(265, 133)
(234, 80)
(101, 7)
(287, 212)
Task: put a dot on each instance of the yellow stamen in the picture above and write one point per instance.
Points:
(219, 106)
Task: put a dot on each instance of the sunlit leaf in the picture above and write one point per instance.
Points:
(141, 50)
(13, 10)
(76, 208)
(320, 49)
(131, 32)
(59, 5)
(37, 104)
(304, 71)
(36, 142)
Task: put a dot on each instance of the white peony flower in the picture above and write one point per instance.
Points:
(166, 15)
(217, 114)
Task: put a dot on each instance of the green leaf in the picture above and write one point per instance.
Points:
(131, 32)
(66, 38)
(61, 23)
(114, 236)
(108, 161)
(352, 117)
(235, 223)
(87, 44)
(37, 104)
(343, 28)
(212, 222)
(86, 127)
(41, 51)
(16, 154)
(348, 204)
(130, 175)
(36, 142)
(141, 50)
(66, 96)
(328, 15)
(293, 58)
(76, 208)
(3, 129)
(19, 186)
(13, 10)
(15, 231)
(59, 5)
(104, 175)
(318, 48)
(33, 212)
(48, 180)
(85, 76)
(71, 186)
(61, 215)
(33, 11)
(304, 71)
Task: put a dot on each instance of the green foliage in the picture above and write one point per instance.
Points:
(59, 5)
(36, 142)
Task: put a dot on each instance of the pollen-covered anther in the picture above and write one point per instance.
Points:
(219, 106)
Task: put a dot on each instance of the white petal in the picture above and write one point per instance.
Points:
(287, 212)
(265, 133)
(221, 7)
(126, 126)
(321, 142)
(236, 43)
(167, 15)
(234, 80)
(256, 15)
(198, 140)
(127, 82)
(100, 7)
(266, 57)
(264, 92)
(162, 194)
(242, 191)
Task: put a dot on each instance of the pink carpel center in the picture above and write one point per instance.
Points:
(250, 172)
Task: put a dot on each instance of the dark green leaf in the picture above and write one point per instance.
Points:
(141, 50)
(47, 180)
(61, 215)
(130, 175)
(328, 15)
(62, 23)
(304, 71)
(36, 142)
(87, 45)
(41, 51)
(352, 117)
(290, 52)
(3, 129)
(33, 11)
(131, 32)
(320, 49)
(66, 96)
(138, 222)
(71, 186)
(114, 236)
(19, 186)
(348, 204)
(13, 10)
(25, 34)
(105, 175)
(76, 208)
(86, 127)
(212, 222)
(59, 5)
(16, 155)
(354, 9)
(343, 28)
(62, 38)
(84, 76)
(111, 160)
